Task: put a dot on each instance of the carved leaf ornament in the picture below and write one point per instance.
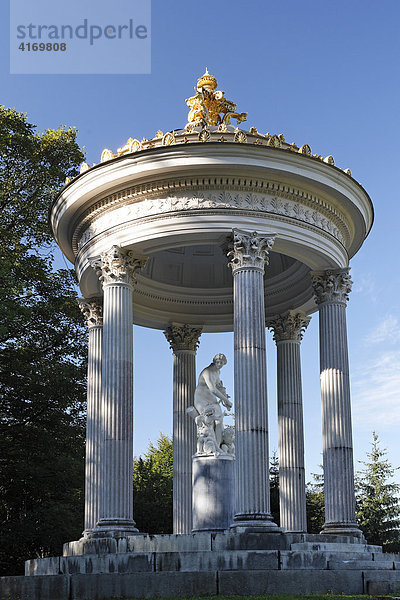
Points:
(250, 249)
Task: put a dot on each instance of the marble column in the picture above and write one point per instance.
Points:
(93, 311)
(184, 341)
(116, 270)
(248, 255)
(288, 332)
(331, 289)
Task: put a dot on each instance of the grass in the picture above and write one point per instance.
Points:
(277, 597)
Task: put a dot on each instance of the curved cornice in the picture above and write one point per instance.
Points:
(286, 169)
(251, 194)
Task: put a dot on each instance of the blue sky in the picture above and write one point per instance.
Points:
(322, 73)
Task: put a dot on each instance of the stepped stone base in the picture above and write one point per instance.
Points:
(144, 566)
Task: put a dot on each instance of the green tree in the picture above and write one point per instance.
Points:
(378, 505)
(315, 503)
(152, 488)
(42, 351)
(274, 486)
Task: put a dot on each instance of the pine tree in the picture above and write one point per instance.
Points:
(152, 488)
(315, 503)
(274, 486)
(378, 506)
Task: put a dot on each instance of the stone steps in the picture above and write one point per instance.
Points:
(210, 560)
(359, 564)
(145, 566)
(155, 562)
(335, 547)
(198, 542)
(188, 584)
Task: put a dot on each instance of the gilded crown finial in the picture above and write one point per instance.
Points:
(207, 81)
(209, 107)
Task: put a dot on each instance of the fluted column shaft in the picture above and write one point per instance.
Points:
(183, 342)
(288, 330)
(116, 270)
(249, 254)
(117, 505)
(93, 311)
(292, 495)
(331, 290)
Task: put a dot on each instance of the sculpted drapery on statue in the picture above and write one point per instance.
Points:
(207, 105)
(210, 393)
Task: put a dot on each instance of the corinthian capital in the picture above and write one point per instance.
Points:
(183, 337)
(249, 249)
(92, 310)
(333, 285)
(118, 266)
(289, 326)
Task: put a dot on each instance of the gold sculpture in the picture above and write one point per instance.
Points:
(106, 155)
(209, 106)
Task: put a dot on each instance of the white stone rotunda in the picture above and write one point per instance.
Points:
(151, 231)
(214, 228)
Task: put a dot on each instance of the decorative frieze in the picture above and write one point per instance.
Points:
(249, 250)
(183, 337)
(332, 285)
(92, 309)
(145, 201)
(289, 326)
(117, 266)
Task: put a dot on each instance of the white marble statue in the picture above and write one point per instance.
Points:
(210, 393)
(206, 442)
(228, 441)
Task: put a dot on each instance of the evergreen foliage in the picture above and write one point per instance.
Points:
(274, 487)
(378, 504)
(315, 503)
(152, 488)
(42, 352)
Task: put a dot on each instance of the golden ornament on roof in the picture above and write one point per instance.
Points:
(209, 107)
(207, 81)
(106, 155)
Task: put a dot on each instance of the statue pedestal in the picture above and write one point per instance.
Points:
(213, 492)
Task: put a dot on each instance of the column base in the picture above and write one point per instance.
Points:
(256, 522)
(343, 529)
(86, 533)
(113, 528)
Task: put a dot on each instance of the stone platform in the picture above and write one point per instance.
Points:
(247, 563)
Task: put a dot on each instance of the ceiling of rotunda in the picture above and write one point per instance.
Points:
(193, 284)
(203, 266)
